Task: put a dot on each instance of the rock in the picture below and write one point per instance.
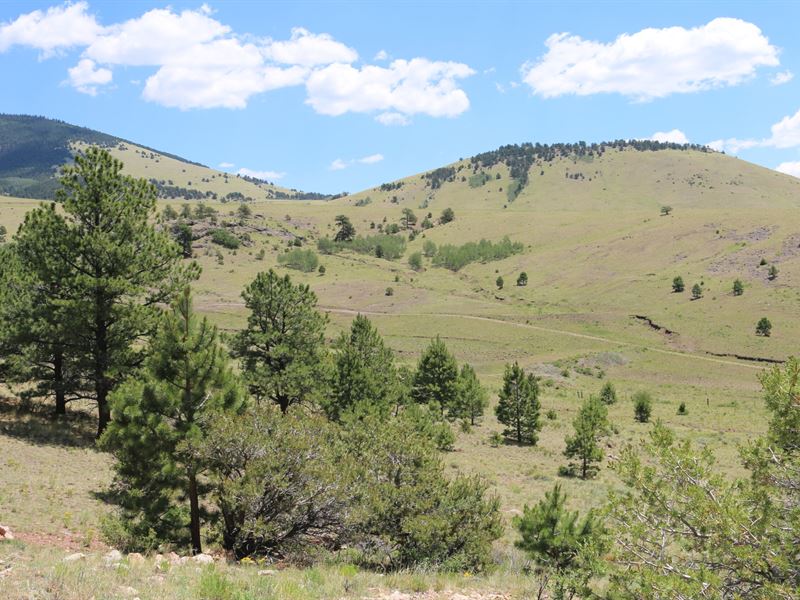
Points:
(113, 557)
(135, 558)
(267, 572)
(173, 558)
(74, 557)
(203, 559)
(5, 533)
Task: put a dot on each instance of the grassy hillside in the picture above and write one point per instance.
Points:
(598, 255)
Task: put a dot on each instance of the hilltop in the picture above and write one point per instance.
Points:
(33, 148)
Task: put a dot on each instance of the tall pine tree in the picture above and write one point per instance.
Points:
(591, 424)
(472, 396)
(518, 406)
(161, 418)
(365, 379)
(436, 379)
(282, 348)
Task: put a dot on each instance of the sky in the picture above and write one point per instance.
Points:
(342, 96)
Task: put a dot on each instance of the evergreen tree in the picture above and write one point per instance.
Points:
(346, 231)
(161, 418)
(773, 272)
(697, 291)
(499, 282)
(608, 394)
(591, 424)
(365, 379)
(282, 347)
(678, 285)
(436, 379)
(560, 542)
(447, 216)
(118, 267)
(642, 406)
(183, 235)
(518, 406)
(764, 327)
(409, 219)
(522, 280)
(738, 288)
(472, 396)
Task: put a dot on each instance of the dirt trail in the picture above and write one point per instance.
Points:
(585, 336)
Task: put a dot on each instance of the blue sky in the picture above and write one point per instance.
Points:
(334, 96)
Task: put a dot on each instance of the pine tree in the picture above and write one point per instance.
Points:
(608, 394)
(365, 379)
(738, 288)
(764, 327)
(522, 280)
(677, 284)
(697, 291)
(160, 419)
(472, 396)
(282, 347)
(112, 266)
(409, 219)
(591, 424)
(518, 406)
(346, 231)
(773, 273)
(499, 282)
(436, 379)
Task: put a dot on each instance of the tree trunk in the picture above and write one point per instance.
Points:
(194, 514)
(101, 359)
(58, 382)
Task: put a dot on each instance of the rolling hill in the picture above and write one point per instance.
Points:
(33, 148)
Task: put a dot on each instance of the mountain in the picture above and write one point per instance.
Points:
(33, 148)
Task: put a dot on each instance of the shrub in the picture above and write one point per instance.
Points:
(321, 270)
(551, 414)
(389, 291)
(738, 288)
(773, 273)
(522, 280)
(697, 291)
(302, 260)
(225, 238)
(642, 406)
(429, 248)
(415, 261)
(682, 409)
(499, 283)
(608, 394)
(447, 216)
(456, 257)
(326, 245)
(678, 285)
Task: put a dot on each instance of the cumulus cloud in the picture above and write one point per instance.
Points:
(675, 136)
(57, 28)
(381, 55)
(200, 62)
(781, 78)
(226, 165)
(652, 63)
(406, 87)
(263, 175)
(339, 164)
(86, 77)
(784, 134)
(790, 168)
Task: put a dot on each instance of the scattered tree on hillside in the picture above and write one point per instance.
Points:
(764, 327)
(590, 425)
(160, 417)
(436, 379)
(642, 406)
(518, 406)
(182, 234)
(666, 210)
(244, 212)
(522, 280)
(472, 396)
(409, 219)
(499, 282)
(429, 248)
(608, 394)
(415, 261)
(447, 216)
(738, 288)
(169, 213)
(3, 233)
(697, 291)
(365, 376)
(346, 231)
(677, 284)
(282, 347)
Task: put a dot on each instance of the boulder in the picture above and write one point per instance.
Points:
(113, 557)
(203, 559)
(74, 557)
(135, 558)
(5, 533)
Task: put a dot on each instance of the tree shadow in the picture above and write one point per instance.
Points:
(34, 422)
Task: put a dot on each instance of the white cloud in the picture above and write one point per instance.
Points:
(339, 164)
(676, 136)
(86, 77)
(226, 165)
(393, 118)
(199, 62)
(418, 86)
(785, 134)
(263, 175)
(652, 63)
(781, 78)
(57, 28)
(790, 168)
(381, 55)
(309, 50)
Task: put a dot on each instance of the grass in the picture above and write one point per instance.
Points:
(596, 253)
